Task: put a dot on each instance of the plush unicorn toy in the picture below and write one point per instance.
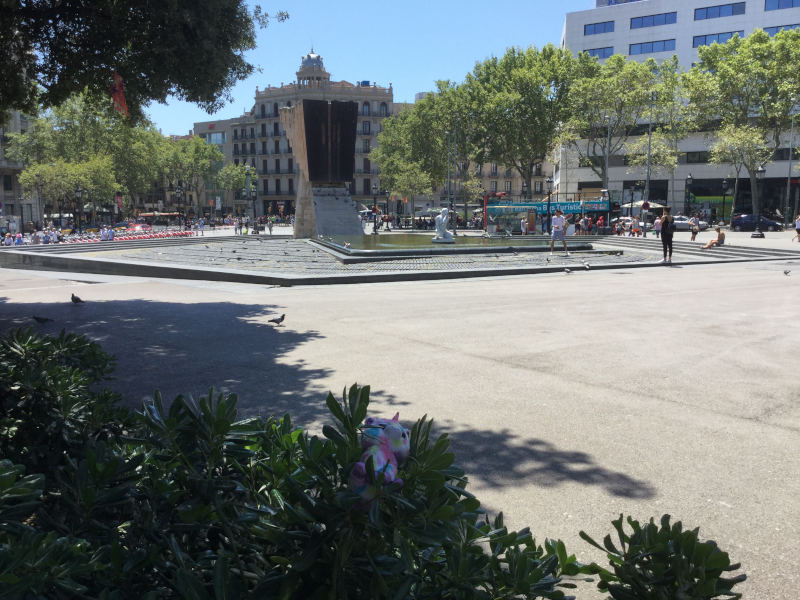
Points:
(388, 443)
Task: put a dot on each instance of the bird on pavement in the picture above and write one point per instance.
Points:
(278, 320)
(41, 319)
(586, 266)
(786, 272)
(567, 271)
(76, 299)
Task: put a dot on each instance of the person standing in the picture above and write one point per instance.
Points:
(695, 223)
(645, 211)
(797, 226)
(558, 225)
(667, 229)
(657, 226)
(523, 226)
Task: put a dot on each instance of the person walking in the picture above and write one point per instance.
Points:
(558, 225)
(657, 226)
(797, 227)
(644, 214)
(667, 229)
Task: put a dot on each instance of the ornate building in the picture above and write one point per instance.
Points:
(258, 140)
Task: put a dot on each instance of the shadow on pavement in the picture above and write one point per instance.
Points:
(189, 348)
(505, 459)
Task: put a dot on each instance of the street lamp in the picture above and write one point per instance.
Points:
(388, 212)
(549, 182)
(179, 203)
(78, 196)
(607, 121)
(524, 190)
(374, 209)
(757, 233)
(687, 205)
(789, 174)
(724, 193)
(250, 194)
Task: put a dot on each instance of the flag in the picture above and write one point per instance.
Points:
(118, 95)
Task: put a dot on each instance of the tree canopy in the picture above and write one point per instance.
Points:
(193, 50)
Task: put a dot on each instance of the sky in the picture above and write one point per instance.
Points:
(409, 44)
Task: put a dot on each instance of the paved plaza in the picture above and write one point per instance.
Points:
(569, 398)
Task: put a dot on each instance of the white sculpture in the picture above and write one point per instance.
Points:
(442, 235)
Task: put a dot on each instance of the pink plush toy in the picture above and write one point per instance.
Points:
(388, 443)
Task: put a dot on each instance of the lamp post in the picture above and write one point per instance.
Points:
(724, 193)
(524, 190)
(607, 121)
(687, 204)
(757, 233)
(549, 182)
(250, 195)
(78, 196)
(789, 173)
(374, 209)
(389, 212)
(179, 203)
(649, 140)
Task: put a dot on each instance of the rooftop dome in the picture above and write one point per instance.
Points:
(312, 60)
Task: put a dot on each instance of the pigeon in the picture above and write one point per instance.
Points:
(567, 271)
(548, 259)
(278, 320)
(586, 266)
(76, 300)
(41, 319)
(786, 272)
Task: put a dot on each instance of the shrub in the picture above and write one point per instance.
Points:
(663, 563)
(189, 502)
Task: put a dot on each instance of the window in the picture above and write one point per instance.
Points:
(277, 165)
(774, 30)
(365, 146)
(384, 110)
(236, 148)
(508, 172)
(252, 147)
(697, 157)
(720, 38)
(595, 28)
(537, 187)
(651, 47)
(778, 4)
(291, 185)
(601, 52)
(493, 186)
(217, 137)
(493, 169)
(8, 183)
(276, 146)
(367, 166)
(275, 129)
(263, 130)
(236, 134)
(263, 111)
(263, 147)
(252, 132)
(538, 170)
(266, 184)
(278, 186)
(721, 10)
(290, 165)
(479, 170)
(365, 127)
(264, 166)
(274, 109)
(654, 20)
(507, 185)
(366, 187)
(365, 109)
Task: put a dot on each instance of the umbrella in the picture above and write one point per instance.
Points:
(638, 204)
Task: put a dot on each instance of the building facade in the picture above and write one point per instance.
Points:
(17, 211)
(642, 29)
(257, 139)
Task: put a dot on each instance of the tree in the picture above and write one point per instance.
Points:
(231, 178)
(517, 104)
(741, 146)
(607, 102)
(191, 162)
(672, 119)
(192, 50)
(751, 84)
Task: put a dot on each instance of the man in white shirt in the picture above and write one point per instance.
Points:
(558, 225)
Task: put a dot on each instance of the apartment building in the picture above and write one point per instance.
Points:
(14, 206)
(258, 139)
(642, 29)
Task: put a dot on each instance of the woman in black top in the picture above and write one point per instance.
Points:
(667, 229)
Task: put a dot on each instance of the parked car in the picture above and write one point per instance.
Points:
(682, 224)
(748, 222)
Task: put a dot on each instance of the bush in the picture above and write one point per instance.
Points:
(188, 502)
(663, 563)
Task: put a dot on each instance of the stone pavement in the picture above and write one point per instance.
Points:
(568, 398)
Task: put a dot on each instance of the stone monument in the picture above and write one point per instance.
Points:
(323, 138)
(442, 235)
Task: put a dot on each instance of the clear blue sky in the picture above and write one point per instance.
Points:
(409, 44)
